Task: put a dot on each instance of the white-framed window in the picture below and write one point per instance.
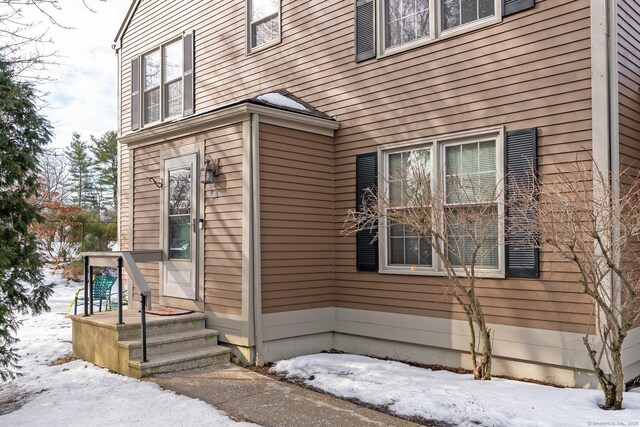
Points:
(467, 169)
(404, 247)
(263, 23)
(151, 87)
(162, 84)
(406, 23)
(456, 13)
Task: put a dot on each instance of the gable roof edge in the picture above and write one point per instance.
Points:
(125, 23)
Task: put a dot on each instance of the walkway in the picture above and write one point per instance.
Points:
(249, 396)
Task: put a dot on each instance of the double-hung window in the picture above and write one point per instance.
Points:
(407, 22)
(264, 22)
(162, 82)
(470, 179)
(461, 175)
(407, 170)
(455, 13)
(162, 71)
(384, 27)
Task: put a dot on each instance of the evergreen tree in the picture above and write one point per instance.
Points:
(23, 134)
(80, 168)
(105, 153)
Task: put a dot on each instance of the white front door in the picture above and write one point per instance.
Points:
(179, 230)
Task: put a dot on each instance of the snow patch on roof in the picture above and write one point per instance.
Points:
(280, 100)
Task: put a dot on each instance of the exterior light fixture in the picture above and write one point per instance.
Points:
(211, 170)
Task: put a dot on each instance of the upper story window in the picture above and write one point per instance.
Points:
(389, 26)
(162, 70)
(151, 98)
(264, 22)
(172, 79)
(162, 82)
(461, 12)
(406, 22)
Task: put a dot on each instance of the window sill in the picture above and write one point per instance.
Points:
(265, 46)
(160, 122)
(406, 271)
(488, 22)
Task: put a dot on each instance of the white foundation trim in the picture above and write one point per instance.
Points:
(231, 327)
(631, 347)
(296, 323)
(526, 344)
(512, 342)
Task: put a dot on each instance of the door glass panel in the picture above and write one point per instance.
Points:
(179, 208)
(180, 237)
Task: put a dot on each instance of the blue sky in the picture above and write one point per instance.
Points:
(82, 93)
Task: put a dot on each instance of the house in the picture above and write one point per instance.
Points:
(247, 129)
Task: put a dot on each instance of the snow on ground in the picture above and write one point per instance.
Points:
(79, 393)
(455, 398)
(274, 98)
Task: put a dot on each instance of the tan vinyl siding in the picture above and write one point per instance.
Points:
(531, 70)
(124, 195)
(629, 81)
(223, 216)
(223, 224)
(628, 50)
(296, 219)
(146, 211)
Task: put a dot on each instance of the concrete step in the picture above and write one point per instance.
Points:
(162, 326)
(170, 343)
(180, 361)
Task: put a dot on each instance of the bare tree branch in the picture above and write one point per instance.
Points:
(592, 220)
(459, 221)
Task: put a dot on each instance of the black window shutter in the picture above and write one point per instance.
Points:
(188, 76)
(135, 93)
(365, 34)
(521, 164)
(510, 7)
(366, 178)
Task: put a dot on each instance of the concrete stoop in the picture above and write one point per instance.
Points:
(174, 343)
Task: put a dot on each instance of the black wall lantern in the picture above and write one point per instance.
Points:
(211, 170)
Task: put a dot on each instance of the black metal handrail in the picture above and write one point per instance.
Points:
(126, 260)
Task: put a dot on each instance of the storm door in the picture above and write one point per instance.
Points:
(179, 234)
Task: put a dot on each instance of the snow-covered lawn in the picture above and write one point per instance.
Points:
(79, 393)
(455, 398)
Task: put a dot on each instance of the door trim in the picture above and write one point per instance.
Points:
(198, 303)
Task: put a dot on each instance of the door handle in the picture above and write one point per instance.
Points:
(193, 224)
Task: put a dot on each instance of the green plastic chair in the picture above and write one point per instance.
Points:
(101, 293)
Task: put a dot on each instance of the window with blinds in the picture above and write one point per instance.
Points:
(470, 178)
(463, 174)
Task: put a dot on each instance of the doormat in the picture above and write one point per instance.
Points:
(168, 311)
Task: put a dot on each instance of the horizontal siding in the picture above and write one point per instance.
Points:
(146, 212)
(629, 82)
(223, 219)
(223, 216)
(629, 87)
(531, 70)
(296, 223)
(124, 195)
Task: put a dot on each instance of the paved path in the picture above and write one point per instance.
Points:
(249, 396)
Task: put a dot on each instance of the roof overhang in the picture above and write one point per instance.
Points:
(227, 115)
(125, 23)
